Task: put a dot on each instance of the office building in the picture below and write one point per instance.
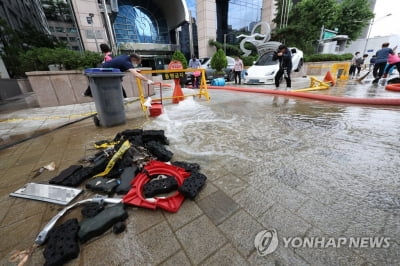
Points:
(19, 13)
(61, 23)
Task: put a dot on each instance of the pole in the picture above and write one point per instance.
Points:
(191, 35)
(282, 13)
(109, 28)
(369, 32)
(225, 43)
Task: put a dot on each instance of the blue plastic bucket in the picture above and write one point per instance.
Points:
(218, 82)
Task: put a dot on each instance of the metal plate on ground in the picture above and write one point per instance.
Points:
(48, 193)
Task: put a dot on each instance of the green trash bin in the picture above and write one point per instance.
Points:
(106, 87)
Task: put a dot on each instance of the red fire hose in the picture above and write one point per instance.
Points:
(329, 98)
(393, 87)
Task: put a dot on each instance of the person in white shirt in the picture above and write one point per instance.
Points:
(194, 63)
(238, 68)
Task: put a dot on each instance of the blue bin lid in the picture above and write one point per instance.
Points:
(102, 70)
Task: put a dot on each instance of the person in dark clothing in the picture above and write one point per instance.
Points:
(125, 63)
(372, 62)
(285, 65)
(380, 61)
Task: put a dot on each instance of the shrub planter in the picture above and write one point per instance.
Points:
(55, 88)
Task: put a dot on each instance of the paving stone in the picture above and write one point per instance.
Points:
(241, 229)
(391, 227)
(187, 212)
(22, 209)
(22, 234)
(253, 201)
(330, 255)
(218, 206)
(178, 259)
(261, 180)
(200, 239)
(141, 219)
(328, 220)
(287, 196)
(159, 242)
(226, 256)
(214, 172)
(240, 168)
(381, 256)
(319, 192)
(123, 249)
(366, 222)
(286, 223)
(230, 184)
(5, 203)
(207, 190)
(280, 257)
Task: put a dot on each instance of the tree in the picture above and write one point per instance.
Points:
(16, 42)
(357, 14)
(308, 16)
(179, 56)
(219, 61)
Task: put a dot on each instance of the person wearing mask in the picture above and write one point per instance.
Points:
(238, 68)
(127, 63)
(106, 51)
(285, 65)
(123, 63)
(195, 77)
(381, 61)
(359, 62)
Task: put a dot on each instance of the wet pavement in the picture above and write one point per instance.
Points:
(301, 167)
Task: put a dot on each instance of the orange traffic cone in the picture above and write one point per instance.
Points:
(178, 94)
(329, 78)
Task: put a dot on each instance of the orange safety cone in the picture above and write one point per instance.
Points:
(329, 78)
(177, 95)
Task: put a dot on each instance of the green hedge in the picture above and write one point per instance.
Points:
(179, 56)
(327, 57)
(219, 61)
(231, 50)
(38, 59)
(248, 60)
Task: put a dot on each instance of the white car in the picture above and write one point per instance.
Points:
(265, 69)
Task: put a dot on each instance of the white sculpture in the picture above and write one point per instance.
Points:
(262, 43)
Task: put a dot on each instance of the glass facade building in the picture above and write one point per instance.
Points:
(140, 22)
(243, 14)
(234, 16)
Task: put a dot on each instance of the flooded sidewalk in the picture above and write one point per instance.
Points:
(301, 169)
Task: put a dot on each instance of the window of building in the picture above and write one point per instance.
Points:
(75, 48)
(244, 14)
(59, 29)
(72, 30)
(90, 34)
(137, 24)
(63, 39)
(51, 29)
(72, 39)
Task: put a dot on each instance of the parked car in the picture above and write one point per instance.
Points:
(206, 64)
(265, 69)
